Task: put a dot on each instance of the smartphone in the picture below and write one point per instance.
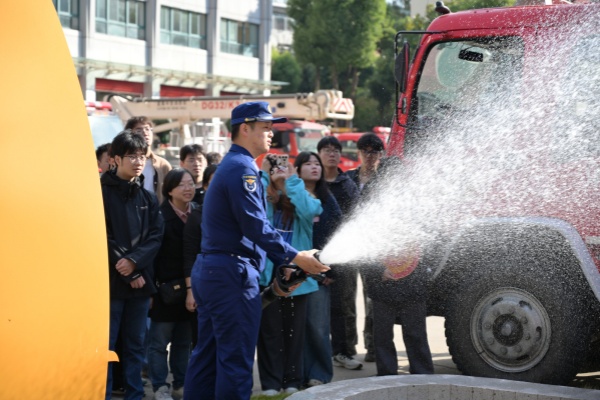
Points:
(282, 160)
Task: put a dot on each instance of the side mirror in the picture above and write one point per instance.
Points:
(401, 67)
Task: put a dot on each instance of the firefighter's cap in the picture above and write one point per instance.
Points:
(253, 111)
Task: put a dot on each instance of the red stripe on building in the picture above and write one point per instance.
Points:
(109, 85)
(178, 91)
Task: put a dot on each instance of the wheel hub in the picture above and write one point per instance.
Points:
(510, 329)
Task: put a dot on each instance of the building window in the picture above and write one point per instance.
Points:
(121, 18)
(68, 12)
(182, 28)
(239, 38)
(281, 22)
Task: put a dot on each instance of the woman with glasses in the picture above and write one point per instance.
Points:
(171, 323)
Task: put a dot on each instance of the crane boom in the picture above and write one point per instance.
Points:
(200, 119)
(317, 106)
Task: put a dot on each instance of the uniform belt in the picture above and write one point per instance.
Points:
(249, 260)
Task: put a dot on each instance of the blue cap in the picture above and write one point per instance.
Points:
(253, 111)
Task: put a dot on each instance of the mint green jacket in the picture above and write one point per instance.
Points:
(307, 209)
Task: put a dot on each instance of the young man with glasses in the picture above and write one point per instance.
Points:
(134, 229)
(155, 167)
(343, 290)
(370, 150)
(192, 158)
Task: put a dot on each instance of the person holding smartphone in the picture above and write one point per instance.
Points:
(291, 210)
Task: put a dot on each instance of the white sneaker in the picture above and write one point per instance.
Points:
(177, 394)
(269, 392)
(314, 382)
(347, 362)
(163, 393)
(290, 390)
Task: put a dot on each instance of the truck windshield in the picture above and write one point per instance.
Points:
(576, 128)
(308, 139)
(460, 78)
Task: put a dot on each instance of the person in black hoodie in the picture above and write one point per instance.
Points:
(370, 150)
(171, 323)
(397, 287)
(134, 229)
(343, 290)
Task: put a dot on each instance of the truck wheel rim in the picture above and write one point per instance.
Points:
(510, 330)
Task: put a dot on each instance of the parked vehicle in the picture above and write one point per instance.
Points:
(517, 277)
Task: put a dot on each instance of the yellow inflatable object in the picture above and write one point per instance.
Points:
(53, 271)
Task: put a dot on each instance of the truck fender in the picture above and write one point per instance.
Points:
(566, 230)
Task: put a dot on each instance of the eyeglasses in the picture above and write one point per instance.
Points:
(372, 152)
(186, 186)
(192, 160)
(133, 158)
(331, 151)
(144, 129)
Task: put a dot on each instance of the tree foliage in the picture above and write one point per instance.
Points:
(340, 35)
(462, 5)
(285, 68)
(349, 45)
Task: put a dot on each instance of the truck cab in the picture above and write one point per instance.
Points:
(497, 126)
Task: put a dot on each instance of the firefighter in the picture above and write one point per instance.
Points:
(236, 234)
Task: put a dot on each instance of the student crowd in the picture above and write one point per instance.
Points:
(191, 249)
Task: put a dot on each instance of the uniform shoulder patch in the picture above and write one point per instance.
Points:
(250, 182)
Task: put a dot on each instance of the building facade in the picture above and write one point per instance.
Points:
(169, 48)
(282, 36)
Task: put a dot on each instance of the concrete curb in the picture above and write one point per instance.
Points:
(441, 387)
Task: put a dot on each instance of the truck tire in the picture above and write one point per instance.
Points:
(517, 327)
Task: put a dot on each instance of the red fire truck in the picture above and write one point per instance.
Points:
(515, 271)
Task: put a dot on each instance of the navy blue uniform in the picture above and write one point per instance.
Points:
(236, 234)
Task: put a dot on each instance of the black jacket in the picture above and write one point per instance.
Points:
(134, 229)
(409, 290)
(168, 265)
(345, 191)
(192, 240)
(328, 222)
(324, 228)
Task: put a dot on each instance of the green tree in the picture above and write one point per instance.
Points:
(338, 34)
(381, 84)
(462, 5)
(285, 68)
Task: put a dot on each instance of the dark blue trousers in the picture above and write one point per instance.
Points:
(128, 319)
(414, 333)
(229, 309)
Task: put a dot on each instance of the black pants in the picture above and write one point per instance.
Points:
(343, 311)
(281, 343)
(412, 316)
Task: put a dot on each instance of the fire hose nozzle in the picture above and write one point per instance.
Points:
(317, 255)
